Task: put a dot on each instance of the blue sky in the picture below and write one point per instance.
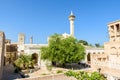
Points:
(42, 18)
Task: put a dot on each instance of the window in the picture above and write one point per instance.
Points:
(112, 27)
(117, 27)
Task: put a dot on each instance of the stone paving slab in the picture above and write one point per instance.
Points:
(8, 73)
(51, 77)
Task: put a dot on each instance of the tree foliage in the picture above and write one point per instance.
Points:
(97, 44)
(24, 62)
(83, 42)
(62, 50)
(82, 75)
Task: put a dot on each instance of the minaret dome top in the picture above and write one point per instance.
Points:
(72, 16)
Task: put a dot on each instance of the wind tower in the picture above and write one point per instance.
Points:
(21, 39)
(31, 40)
(114, 31)
(72, 18)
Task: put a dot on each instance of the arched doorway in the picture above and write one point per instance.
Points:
(88, 58)
(35, 58)
(113, 51)
(118, 51)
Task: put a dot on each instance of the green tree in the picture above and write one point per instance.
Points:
(62, 50)
(97, 45)
(90, 45)
(83, 42)
(24, 62)
(82, 75)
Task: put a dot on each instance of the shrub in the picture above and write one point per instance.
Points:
(59, 71)
(82, 75)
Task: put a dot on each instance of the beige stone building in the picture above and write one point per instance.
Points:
(10, 52)
(108, 62)
(14, 50)
(30, 48)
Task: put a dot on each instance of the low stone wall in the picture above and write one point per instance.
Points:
(50, 77)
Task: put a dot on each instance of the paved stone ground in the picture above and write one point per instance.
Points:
(50, 77)
(44, 74)
(41, 74)
(8, 73)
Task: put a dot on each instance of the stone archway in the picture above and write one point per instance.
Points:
(88, 58)
(35, 58)
(113, 51)
(119, 51)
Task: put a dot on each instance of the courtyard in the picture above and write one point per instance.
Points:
(57, 73)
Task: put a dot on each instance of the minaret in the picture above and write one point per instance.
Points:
(72, 18)
(21, 39)
(31, 40)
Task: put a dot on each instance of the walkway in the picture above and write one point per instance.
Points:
(50, 77)
(8, 73)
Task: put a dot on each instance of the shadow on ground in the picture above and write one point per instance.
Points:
(8, 73)
(74, 66)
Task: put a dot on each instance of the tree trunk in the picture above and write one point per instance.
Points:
(53, 63)
(63, 65)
